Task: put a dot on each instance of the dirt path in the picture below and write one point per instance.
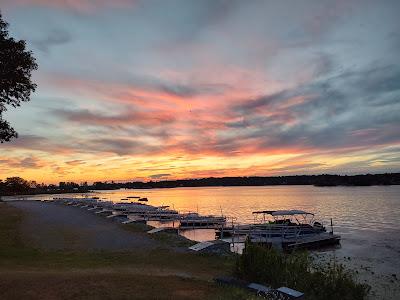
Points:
(58, 227)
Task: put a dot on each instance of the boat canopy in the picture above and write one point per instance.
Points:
(283, 212)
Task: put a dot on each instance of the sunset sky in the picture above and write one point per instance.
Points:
(140, 90)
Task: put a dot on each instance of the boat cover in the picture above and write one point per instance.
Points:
(283, 212)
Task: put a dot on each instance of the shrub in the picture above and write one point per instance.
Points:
(297, 270)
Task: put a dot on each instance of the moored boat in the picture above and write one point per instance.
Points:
(277, 223)
(286, 229)
(194, 220)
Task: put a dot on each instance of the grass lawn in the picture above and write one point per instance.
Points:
(160, 273)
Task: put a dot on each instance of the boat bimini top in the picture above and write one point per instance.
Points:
(276, 213)
(290, 216)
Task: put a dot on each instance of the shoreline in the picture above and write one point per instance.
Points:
(177, 187)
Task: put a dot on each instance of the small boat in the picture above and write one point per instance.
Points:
(162, 213)
(133, 207)
(133, 197)
(285, 229)
(143, 199)
(194, 220)
(275, 223)
(145, 211)
(76, 200)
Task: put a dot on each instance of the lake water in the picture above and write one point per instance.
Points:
(367, 218)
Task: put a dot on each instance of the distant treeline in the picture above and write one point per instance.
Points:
(19, 186)
(317, 180)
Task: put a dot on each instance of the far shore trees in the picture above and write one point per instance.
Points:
(13, 186)
(16, 65)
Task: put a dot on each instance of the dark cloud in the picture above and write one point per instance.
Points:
(345, 111)
(303, 168)
(192, 90)
(75, 162)
(250, 106)
(38, 143)
(325, 64)
(119, 146)
(129, 117)
(29, 162)
(380, 80)
(53, 38)
(159, 176)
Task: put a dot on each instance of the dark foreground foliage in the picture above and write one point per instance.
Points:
(16, 66)
(319, 281)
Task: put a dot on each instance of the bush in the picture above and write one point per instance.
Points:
(297, 270)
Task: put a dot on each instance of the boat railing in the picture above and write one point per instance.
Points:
(277, 232)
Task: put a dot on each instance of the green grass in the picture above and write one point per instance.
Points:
(167, 239)
(111, 286)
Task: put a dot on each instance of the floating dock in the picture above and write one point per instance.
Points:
(217, 246)
(309, 242)
(163, 229)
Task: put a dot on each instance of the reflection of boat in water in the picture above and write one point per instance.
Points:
(194, 220)
(286, 228)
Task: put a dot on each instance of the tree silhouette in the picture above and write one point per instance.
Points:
(16, 65)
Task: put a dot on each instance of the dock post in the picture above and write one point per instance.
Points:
(233, 235)
(331, 226)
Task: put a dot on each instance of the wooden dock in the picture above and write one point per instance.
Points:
(300, 242)
(309, 242)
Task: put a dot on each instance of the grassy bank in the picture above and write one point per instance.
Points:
(160, 273)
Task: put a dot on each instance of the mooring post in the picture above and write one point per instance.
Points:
(233, 235)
